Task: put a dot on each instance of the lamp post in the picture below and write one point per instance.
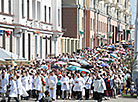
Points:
(135, 66)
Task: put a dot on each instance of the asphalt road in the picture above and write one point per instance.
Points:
(120, 99)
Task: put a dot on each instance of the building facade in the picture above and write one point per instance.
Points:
(31, 27)
(96, 22)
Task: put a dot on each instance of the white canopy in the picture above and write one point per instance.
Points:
(5, 55)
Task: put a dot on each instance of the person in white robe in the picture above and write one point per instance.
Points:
(52, 81)
(38, 85)
(3, 86)
(21, 91)
(70, 86)
(79, 86)
(13, 90)
(64, 86)
(99, 88)
(88, 82)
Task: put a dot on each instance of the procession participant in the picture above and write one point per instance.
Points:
(88, 82)
(13, 90)
(78, 86)
(25, 82)
(30, 83)
(3, 87)
(52, 81)
(99, 88)
(59, 85)
(21, 91)
(136, 84)
(64, 86)
(38, 85)
(70, 86)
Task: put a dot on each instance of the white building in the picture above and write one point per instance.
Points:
(31, 27)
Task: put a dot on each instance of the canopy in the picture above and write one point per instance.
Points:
(5, 55)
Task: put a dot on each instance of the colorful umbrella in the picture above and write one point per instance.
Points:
(113, 55)
(74, 63)
(72, 68)
(83, 70)
(104, 65)
(61, 63)
(44, 66)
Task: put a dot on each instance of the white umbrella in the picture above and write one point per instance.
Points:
(74, 63)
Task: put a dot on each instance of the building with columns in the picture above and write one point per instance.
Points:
(96, 22)
(31, 27)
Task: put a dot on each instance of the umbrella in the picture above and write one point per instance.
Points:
(123, 41)
(61, 63)
(104, 59)
(104, 65)
(87, 66)
(44, 66)
(74, 63)
(83, 70)
(110, 61)
(121, 52)
(113, 55)
(55, 66)
(83, 62)
(102, 50)
(72, 68)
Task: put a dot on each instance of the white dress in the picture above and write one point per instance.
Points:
(4, 84)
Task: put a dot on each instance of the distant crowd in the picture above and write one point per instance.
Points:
(99, 73)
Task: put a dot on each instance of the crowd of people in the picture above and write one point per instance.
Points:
(96, 73)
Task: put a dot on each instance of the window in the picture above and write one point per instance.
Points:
(45, 13)
(2, 5)
(23, 44)
(22, 8)
(29, 47)
(11, 42)
(49, 14)
(40, 46)
(33, 9)
(35, 46)
(91, 24)
(82, 22)
(4, 42)
(28, 8)
(9, 6)
(38, 11)
(58, 17)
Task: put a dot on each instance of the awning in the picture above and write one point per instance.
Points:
(5, 55)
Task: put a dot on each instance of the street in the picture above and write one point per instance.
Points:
(120, 99)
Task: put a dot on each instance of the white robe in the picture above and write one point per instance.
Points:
(3, 85)
(88, 80)
(20, 89)
(13, 89)
(99, 85)
(64, 83)
(38, 83)
(25, 82)
(52, 81)
(80, 85)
